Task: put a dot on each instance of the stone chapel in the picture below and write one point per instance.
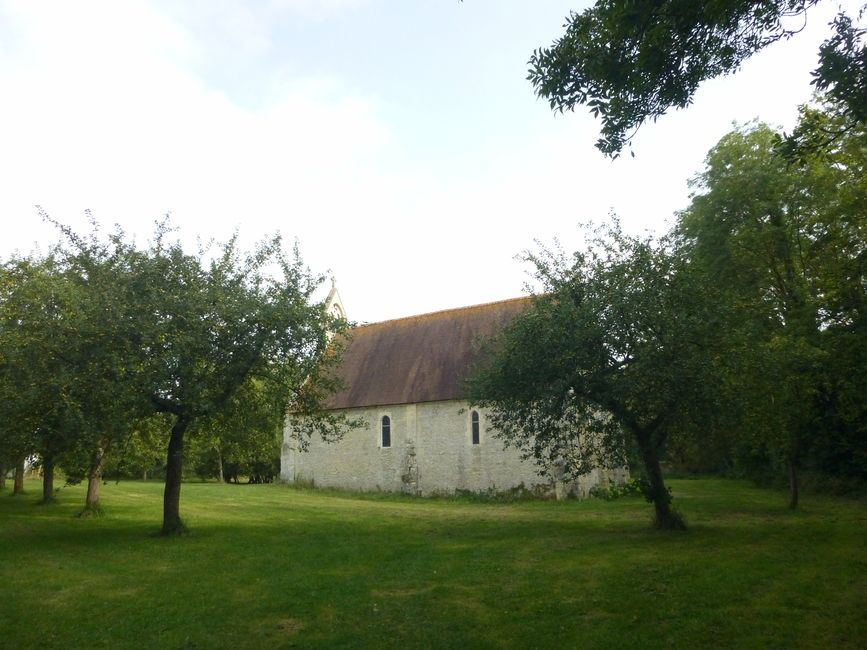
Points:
(403, 379)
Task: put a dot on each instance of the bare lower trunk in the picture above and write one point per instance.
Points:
(2, 477)
(144, 475)
(47, 479)
(220, 466)
(172, 524)
(793, 485)
(94, 482)
(657, 493)
(18, 484)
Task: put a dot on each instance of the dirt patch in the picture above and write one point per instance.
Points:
(290, 626)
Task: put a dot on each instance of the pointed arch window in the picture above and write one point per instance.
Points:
(475, 427)
(386, 431)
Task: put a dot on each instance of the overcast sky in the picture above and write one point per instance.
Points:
(397, 140)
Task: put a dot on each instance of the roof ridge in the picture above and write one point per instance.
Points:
(444, 311)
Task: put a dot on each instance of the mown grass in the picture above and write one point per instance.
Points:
(271, 567)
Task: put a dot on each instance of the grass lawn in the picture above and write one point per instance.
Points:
(270, 567)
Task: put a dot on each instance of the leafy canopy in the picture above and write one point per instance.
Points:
(632, 60)
(103, 334)
(612, 345)
(786, 241)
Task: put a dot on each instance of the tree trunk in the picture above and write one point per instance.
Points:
(2, 477)
(172, 524)
(144, 475)
(92, 505)
(657, 493)
(220, 465)
(793, 484)
(18, 484)
(47, 480)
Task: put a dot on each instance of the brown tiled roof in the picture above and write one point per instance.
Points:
(417, 359)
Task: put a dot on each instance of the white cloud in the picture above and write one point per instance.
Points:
(110, 110)
(108, 116)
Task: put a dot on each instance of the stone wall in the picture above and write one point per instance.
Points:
(431, 452)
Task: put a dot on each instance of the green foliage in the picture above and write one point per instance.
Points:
(67, 355)
(785, 240)
(636, 487)
(210, 325)
(233, 446)
(842, 71)
(29, 402)
(217, 329)
(106, 346)
(142, 454)
(614, 344)
(514, 494)
(632, 60)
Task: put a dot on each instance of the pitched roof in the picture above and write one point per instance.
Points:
(417, 359)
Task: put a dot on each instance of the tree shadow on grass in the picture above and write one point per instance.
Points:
(419, 574)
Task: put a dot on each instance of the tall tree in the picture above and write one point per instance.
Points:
(102, 334)
(613, 343)
(36, 331)
(209, 327)
(632, 60)
(787, 243)
(101, 352)
(16, 437)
